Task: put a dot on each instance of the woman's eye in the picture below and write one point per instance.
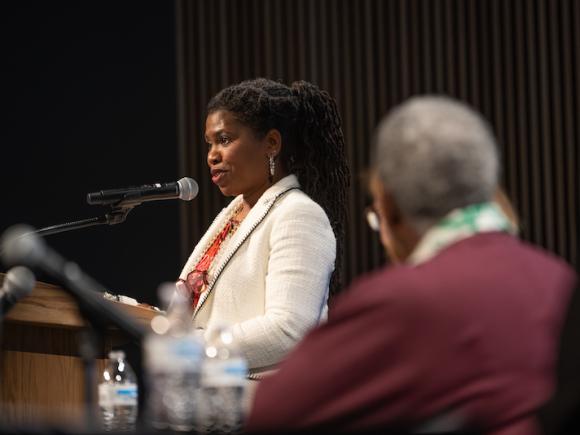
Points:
(224, 139)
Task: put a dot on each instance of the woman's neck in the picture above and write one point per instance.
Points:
(251, 198)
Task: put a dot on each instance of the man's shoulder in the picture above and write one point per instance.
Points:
(483, 264)
(389, 285)
(494, 253)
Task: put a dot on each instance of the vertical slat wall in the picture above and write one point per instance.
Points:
(517, 61)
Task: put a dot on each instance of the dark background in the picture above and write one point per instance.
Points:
(89, 103)
(108, 94)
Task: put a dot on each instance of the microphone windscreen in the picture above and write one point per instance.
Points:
(188, 188)
(18, 283)
(19, 245)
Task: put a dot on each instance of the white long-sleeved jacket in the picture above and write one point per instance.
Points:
(270, 281)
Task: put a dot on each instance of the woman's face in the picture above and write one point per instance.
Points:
(237, 158)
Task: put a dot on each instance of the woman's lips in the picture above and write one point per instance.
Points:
(217, 176)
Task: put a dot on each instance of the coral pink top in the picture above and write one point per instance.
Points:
(197, 280)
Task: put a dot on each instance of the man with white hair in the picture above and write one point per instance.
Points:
(462, 328)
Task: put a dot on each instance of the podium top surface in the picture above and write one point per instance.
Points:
(50, 305)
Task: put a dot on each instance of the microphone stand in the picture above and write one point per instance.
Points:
(89, 347)
(117, 215)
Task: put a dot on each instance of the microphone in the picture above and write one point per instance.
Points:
(18, 283)
(185, 189)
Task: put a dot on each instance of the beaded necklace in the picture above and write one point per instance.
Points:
(197, 280)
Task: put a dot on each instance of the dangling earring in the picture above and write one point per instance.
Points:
(272, 167)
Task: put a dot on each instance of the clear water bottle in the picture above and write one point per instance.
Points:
(173, 356)
(118, 394)
(224, 384)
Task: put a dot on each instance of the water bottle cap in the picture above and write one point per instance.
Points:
(116, 354)
(170, 294)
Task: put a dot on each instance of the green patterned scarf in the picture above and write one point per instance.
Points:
(460, 224)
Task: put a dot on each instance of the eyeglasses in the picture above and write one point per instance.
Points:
(372, 218)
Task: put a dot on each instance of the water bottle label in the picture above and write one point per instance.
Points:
(185, 348)
(172, 353)
(229, 373)
(117, 395)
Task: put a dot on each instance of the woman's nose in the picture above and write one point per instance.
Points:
(213, 156)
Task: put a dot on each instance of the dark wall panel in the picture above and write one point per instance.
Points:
(518, 62)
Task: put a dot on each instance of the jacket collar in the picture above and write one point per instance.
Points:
(263, 204)
(460, 224)
(288, 182)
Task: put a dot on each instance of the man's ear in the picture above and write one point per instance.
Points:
(390, 209)
(273, 140)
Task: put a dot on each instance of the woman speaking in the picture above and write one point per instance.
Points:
(267, 263)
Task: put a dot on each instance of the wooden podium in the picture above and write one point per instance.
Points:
(41, 373)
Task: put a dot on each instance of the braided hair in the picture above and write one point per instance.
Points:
(312, 141)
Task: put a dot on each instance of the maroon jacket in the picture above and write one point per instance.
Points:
(472, 332)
